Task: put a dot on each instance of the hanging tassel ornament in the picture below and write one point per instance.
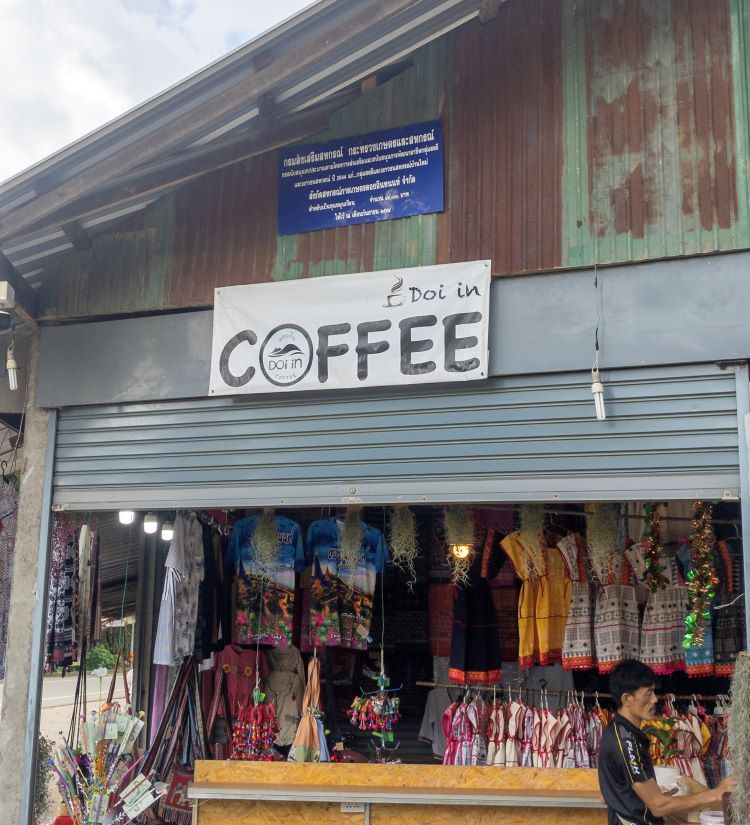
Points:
(702, 579)
(655, 577)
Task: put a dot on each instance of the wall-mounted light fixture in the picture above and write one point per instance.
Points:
(167, 531)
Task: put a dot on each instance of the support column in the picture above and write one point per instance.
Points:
(743, 428)
(19, 722)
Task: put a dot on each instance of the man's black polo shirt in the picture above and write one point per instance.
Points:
(623, 761)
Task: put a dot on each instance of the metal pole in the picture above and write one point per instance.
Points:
(742, 376)
(26, 816)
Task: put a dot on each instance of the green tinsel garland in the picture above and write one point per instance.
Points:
(701, 579)
(655, 576)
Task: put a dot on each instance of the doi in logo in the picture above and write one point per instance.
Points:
(286, 355)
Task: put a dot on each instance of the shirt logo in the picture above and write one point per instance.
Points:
(633, 757)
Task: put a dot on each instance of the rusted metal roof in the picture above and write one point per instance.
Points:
(300, 67)
(650, 112)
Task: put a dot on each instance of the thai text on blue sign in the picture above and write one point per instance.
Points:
(377, 177)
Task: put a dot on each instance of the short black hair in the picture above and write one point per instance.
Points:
(628, 677)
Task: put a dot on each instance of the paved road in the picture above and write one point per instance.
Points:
(59, 691)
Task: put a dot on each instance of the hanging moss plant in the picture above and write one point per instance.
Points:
(351, 539)
(402, 540)
(459, 533)
(265, 542)
(532, 538)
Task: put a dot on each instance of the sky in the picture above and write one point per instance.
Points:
(69, 66)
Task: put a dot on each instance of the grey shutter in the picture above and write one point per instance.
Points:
(670, 433)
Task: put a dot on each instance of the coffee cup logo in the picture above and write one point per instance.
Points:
(286, 355)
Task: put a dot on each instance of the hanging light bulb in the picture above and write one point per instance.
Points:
(150, 523)
(597, 388)
(460, 551)
(126, 516)
(167, 531)
(12, 368)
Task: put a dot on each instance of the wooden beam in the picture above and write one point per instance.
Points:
(155, 181)
(25, 298)
(488, 10)
(199, 119)
(77, 235)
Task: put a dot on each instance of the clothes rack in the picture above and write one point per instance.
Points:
(560, 511)
(575, 693)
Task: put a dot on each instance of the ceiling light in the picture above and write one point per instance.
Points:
(167, 531)
(126, 516)
(150, 523)
(460, 551)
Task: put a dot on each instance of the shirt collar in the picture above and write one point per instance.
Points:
(626, 723)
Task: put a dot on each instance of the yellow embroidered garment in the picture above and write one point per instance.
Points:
(543, 603)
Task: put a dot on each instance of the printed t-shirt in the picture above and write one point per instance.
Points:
(341, 599)
(624, 760)
(273, 600)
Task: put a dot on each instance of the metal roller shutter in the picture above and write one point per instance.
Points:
(670, 432)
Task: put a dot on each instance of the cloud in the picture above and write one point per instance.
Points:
(69, 66)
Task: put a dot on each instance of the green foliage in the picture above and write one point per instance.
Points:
(100, 656)
(43, 773)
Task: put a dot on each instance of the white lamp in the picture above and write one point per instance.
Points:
(126, 516)
(167, 531)
(150, 523)
(597, 388)
(12, 368)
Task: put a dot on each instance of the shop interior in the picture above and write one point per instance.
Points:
(467, 635)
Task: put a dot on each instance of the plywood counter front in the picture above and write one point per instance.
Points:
(278, 792)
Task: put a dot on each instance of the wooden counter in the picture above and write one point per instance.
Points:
(275, 793)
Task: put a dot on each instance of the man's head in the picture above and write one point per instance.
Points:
(633, 688)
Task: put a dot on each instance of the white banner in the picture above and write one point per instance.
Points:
(375, 329)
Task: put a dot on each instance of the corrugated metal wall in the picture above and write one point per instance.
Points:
(656, 176)
(505, 151)
(670, 433)
(578, 131)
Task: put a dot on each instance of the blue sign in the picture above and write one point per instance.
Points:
(375, 177)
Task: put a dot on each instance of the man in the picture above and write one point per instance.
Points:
(626, 774)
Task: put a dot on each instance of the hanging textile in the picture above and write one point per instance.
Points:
(664, 620)
(285, 687)
(578, 642)
(464, 724)
(440, 599)
(616, 622)
(178, 742)
(178, 614)
(475, 645)
(63, 596)
(341, 600)
(89, 587)
(544, 600)
(265, 606)
(8, 521)
(309, 742)
(729, 613)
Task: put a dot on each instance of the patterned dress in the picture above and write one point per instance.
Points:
(664, 625)
(542, 605)
(578, 644)
(616, 622)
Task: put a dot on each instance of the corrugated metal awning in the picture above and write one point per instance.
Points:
(273, 90)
